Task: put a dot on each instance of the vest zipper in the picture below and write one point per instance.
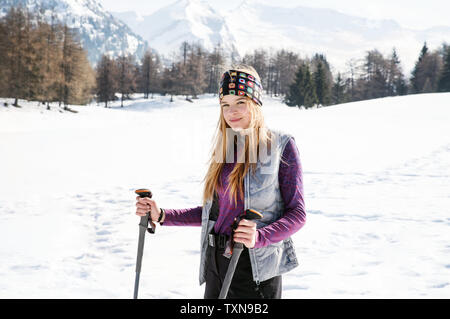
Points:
(251, 252)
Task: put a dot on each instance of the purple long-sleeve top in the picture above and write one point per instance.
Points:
(290, 179)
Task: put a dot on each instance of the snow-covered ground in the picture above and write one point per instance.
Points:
(376, 180)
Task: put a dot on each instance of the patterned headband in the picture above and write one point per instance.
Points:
(239, 83)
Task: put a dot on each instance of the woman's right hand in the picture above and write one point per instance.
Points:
(144, 205)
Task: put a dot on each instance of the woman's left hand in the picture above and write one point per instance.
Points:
(246, 233)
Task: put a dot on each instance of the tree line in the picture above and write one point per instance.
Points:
(46, 62)
(42, 61)
(302, 82)
(374, 76)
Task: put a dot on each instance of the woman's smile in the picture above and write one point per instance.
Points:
(235, 120)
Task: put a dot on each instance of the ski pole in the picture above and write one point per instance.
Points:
(249, 214)
(143, 226)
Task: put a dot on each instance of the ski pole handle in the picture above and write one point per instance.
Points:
(251, 214)
(144, 192)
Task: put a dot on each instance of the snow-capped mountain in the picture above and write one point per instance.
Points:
(339, 36)
(100, 32)
(185, 20)
(255, 25)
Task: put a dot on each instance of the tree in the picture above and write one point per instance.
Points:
(338, 92)
(396, 81)
(195, 80)
(444, 80)
(106, 80)
(309, 89)
(425, 76)
(321, 84)
(148, 73)
(295, 96)
(214, 63)
(323, 78)
(126, 72)
(376, 75)
(14, 53)
(302, 92)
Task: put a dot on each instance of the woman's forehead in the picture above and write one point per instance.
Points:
(229, 98)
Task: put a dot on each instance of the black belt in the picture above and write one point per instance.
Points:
(218, 240)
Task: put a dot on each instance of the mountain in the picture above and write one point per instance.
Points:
(254, 25)
(339, 36)
(184, 20)
(99, 31)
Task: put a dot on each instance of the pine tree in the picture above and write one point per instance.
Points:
(338, 95)
(417, 79)
(444, 80)
(309, 89)
(321, 85)
(295, 96)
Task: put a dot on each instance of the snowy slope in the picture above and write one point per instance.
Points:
(255, 25)
(376, 179)
(99, 31)
(339, 36)
(184, 20)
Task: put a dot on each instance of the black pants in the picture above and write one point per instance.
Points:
(242, 285)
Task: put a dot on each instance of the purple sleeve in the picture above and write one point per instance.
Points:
(291, 187)
(183, 217)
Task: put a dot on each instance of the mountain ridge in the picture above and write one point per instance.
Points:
(100, 32)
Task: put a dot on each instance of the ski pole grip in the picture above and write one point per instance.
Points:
(144, 192)
(251, 214)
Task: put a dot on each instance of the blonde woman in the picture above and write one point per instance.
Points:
(251, 167)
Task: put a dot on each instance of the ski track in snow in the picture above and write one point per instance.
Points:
(380, 233)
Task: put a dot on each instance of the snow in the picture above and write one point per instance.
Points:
(253, 25)
(376, 179)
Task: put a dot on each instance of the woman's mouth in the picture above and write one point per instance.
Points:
(235, 120)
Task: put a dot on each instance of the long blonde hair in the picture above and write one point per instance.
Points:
(258, 133)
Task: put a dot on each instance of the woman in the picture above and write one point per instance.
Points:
(243, 175)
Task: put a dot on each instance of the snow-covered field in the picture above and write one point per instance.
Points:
(376, 180)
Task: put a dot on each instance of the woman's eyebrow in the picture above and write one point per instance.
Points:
(238, 100)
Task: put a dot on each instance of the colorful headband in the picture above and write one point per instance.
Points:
(242, 84)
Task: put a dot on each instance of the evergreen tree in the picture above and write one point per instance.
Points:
(295, 96)
(417, 79)
(309, 89)
(444, 80)
(338, 95)
(323, 78)
(321, 85)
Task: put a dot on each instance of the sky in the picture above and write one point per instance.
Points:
(408, 13)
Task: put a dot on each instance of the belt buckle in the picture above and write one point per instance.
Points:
(211, 240)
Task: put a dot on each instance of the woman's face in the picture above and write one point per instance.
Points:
(235, 111)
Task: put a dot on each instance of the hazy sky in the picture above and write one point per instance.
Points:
(416, 14)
